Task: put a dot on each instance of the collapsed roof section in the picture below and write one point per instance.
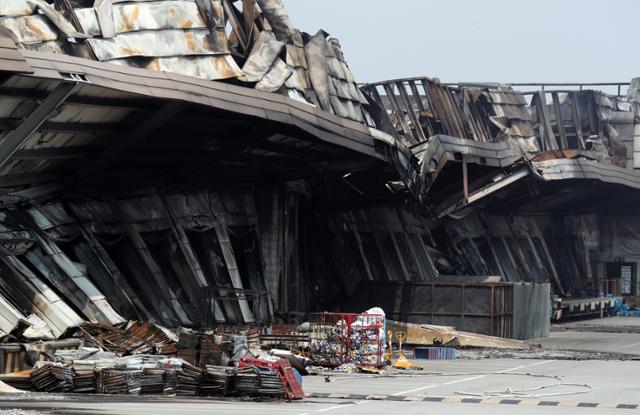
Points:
(253, 44)
(469, 141)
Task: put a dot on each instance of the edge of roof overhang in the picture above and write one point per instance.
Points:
(169, 86)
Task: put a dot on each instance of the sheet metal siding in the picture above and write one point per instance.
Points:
(586, 169)
(164, 44)
(134, 17)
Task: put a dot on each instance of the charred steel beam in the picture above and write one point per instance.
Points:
(30, 125)
(559, 120)
(575, 115)
(38, 94)
(27, 178)
(136, 135)
(61, 153)
(64, 127)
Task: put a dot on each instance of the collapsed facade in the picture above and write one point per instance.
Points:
(200, 162)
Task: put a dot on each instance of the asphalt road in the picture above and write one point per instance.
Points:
(611, 383)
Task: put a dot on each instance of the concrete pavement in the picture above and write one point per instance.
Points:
(627, 343)
(612, 382)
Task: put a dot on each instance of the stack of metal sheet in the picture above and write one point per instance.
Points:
(170, 382)
(159, 339)
(253, 338)
(270, 384)
(215, 381)
(187, 345)
(210, 351)
(119, 381)
(152, 382)
(84, 381)
(53, 377)
(188, 380)
(246, 380)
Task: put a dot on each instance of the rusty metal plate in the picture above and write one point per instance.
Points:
(133, 17)
(159, 44)
(16, 8)
(29, 29)
(205, 67)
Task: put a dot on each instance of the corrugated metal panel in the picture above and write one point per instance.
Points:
(9, 316)
(274, 80)
(262, 57)
(507, 97)
(205, 67)
(16, 8)
(133, 17)
(165, 43)
(586, 169)
(29, 29)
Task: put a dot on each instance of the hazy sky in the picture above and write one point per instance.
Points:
(481, 40)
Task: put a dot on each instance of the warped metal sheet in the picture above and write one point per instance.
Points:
(133, 17)
(276, 77)
(104, 13)
(502, 97)
(88, 21)
(347, 73)
(159, 44)
(345, 89)
(277, 17)
(335, 69)
(142, 1)
(46, 303)
(296, 57)
(262, 57)
(511, 111)
(346, 108)
(586, 169)
(205, 67)
(16, 8)
(315, 50)
(57, 19)
(29, 29)
(49, 47)
(302, 79)
(9, 316)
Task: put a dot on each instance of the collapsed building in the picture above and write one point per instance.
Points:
(202, 162)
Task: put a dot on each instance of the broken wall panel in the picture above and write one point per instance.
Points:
(35, 296)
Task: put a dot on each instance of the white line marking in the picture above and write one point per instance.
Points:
(453, 382)
(332, 408)
(416, 389)
(525, 366)
(629, 345)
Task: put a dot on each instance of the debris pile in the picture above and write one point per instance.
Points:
(428, 335)
(134, 338)
(623, 309)
(172, 376)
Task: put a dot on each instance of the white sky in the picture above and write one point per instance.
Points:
(481, 40)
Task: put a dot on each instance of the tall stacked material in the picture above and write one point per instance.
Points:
(282, 368)
(210, 351)
(187, 345)
(215, 381)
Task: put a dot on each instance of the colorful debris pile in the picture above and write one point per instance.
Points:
(349, 338)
